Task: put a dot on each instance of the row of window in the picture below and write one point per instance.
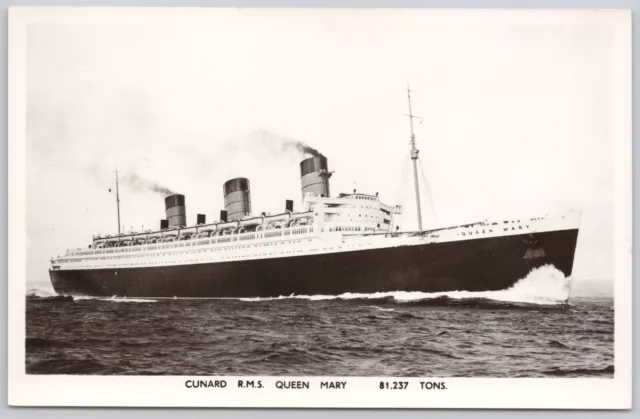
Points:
(195, 243)
(349, 228)
(200, 251)
(367, 198)
(220, 249)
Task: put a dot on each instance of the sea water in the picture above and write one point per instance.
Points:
(525, 331)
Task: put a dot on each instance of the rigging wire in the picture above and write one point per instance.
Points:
(400, 191)
(429, 196)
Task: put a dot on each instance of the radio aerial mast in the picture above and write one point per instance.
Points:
(414, 158)
(118, 199)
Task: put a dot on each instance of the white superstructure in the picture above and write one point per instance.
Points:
(350, 222)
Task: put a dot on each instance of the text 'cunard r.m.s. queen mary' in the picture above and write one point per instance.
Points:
(335, 244)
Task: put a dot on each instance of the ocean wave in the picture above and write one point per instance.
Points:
(557, 344)
(71, 366)
(114, 299)
(383, 309)
(52, 299)
(32, 343)
(580, 372)
(545, 285)
(41, 290)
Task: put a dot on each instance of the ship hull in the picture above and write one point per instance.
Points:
(483, 264)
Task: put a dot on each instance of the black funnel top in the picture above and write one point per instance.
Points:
(313, 164)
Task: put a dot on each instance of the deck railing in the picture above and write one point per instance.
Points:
(232, 238)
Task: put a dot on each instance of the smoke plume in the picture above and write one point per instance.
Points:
(281, 144)
(304, 148)
(136, 182)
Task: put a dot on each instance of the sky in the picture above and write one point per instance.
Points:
(518, 117)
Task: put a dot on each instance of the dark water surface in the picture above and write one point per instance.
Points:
(386, 336)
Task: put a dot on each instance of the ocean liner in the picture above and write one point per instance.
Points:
(335, 244)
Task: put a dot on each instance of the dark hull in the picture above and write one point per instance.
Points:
(471, 265)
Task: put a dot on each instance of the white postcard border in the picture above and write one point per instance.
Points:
(556, 393)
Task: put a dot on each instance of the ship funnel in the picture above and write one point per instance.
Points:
(175, 210)
(237, 198)
(314, 176)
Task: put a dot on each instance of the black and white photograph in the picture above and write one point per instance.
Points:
(350, 207)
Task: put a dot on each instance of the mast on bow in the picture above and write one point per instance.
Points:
(414, 158)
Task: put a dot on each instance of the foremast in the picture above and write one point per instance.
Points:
(118, 199)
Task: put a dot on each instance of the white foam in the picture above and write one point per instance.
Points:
(41, 290)
(114, 299)
(83, 297)
(543, 285)
(383, 309)
(130, 300)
